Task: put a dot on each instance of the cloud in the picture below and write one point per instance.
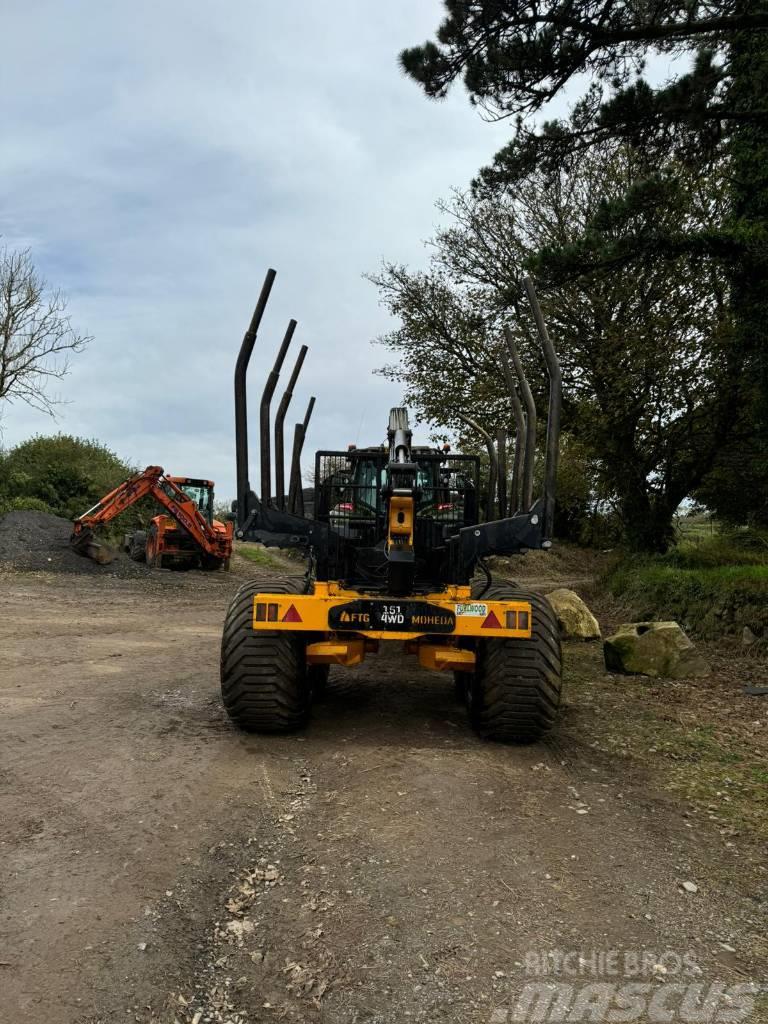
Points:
(159, 157)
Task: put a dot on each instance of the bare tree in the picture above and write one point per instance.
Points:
(36, 337)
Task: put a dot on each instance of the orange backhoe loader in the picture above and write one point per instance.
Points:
(187, 537)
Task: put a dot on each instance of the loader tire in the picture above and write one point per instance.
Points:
(137, 548)
(265, 686)
(153, 557)
(514, 694)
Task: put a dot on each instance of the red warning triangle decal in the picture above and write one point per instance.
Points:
(291, 615)
(491, 622)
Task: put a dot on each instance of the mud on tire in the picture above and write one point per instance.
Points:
(264, 682)
(514, 694)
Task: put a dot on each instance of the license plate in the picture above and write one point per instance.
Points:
(391, 616)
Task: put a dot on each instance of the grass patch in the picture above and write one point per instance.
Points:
(634, 577)
(748, 547)
(261, 556)
(714, 587)
(699, 741)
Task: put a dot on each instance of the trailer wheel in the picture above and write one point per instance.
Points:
(514, 694)
(265, 686)
(137, 546)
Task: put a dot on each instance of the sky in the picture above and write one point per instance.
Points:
(158, 158)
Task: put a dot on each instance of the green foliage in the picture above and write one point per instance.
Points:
(22, 504)
(514, 56)
(583, 515)
(736, 489)
(742, 548)
(663, 587)
(68, 474)
(65, 476)
(716, 586)
(710, 116)
(646, 397)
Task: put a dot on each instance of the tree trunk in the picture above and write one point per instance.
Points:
(648, 523)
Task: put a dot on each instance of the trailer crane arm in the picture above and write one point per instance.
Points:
(151, 482)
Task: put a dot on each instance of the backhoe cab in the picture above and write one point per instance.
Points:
(393, 544)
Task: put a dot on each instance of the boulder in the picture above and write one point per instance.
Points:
(748, 638)
(576, 621)
(653, 649)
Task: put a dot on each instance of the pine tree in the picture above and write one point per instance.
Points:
(514, 56)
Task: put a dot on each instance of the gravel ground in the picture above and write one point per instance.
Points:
(383, 867)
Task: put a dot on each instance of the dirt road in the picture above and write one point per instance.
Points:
(386, 865)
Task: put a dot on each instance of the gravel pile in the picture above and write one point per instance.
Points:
(31, 540)
(23, 532)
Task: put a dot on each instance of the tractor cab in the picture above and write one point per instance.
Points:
(354, 490)
(353, 487)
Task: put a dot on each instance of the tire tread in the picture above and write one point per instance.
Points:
(518, 683)
(264, 683)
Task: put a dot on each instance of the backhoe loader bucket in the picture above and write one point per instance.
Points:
(83, 542)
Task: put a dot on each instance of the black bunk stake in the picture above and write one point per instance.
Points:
(519, 415)
(553, 417)
(282, 409)
(266, 398)
(241, 411)
(295, 492)
(530, 429)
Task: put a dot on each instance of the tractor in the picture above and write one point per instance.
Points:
(395, 554)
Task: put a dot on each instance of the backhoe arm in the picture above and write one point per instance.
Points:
(126, 494)
(184, 510)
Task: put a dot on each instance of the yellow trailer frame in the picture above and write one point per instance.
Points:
(437, 627)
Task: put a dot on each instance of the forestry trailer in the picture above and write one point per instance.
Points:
(393, 547)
